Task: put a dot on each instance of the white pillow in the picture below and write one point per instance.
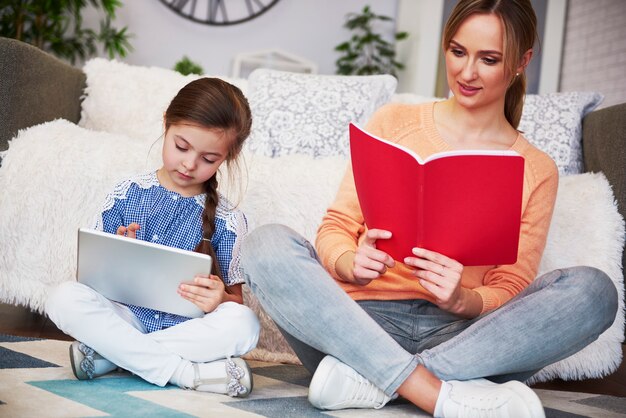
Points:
(54, 178)
(294, 190)
(587, 230)
(309, 114)
(553, 123)
(130, 100)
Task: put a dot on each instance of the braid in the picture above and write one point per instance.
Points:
(208, 223)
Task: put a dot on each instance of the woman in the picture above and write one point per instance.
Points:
(426, 327)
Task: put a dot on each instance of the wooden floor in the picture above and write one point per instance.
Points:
(22, 322)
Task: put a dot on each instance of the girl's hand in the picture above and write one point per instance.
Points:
(441, 276)
(130, 231)
(370, 263)
(206, 292)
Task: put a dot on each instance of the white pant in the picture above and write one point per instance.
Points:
(113, 331)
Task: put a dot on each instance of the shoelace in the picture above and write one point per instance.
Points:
(366, 391)
(478, 407)
(87, 364)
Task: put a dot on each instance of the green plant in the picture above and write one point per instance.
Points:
(367, 52)
(186, 66)
(56, 26)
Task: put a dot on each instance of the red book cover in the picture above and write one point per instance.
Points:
(463, 204)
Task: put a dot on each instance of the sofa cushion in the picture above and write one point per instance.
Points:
(129, 99)
(309, 114)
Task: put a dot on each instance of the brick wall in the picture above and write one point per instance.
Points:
(594, 52)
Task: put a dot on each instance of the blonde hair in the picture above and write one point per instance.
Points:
(519, 23)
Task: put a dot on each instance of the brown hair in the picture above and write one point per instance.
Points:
(520, 32)
(217, 105)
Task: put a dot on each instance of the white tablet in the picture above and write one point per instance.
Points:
(137, 272)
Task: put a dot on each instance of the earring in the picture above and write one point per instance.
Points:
(516, 74)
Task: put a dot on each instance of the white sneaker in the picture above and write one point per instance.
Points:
(336, 385)
(482, 398)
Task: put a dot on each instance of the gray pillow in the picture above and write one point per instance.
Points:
(553, 123)
(309, 114)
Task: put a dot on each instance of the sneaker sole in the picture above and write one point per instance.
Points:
(73, 362)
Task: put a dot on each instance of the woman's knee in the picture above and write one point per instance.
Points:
(598, 293)
(268, 248)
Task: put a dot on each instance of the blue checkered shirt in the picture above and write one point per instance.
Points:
(167, 218)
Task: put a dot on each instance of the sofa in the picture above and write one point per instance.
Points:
(68, 134)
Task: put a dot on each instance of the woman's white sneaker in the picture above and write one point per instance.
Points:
(482, 398)
(336, 385)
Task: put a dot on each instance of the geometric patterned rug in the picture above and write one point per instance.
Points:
(36, 380)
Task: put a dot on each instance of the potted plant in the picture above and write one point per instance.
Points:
(56, 26)
(186, 66)
(367, 52)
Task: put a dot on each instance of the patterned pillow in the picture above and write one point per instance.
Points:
(553, 123)
(309, 114)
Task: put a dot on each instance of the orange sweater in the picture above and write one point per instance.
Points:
(413, 126)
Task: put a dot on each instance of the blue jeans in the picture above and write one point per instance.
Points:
(557, 315)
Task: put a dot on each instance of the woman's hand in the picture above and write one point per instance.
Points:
(441, 276)
(206, 292)
(130, 231)
(367, 263)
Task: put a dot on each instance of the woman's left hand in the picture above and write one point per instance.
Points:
(441, 276)
(206, 292)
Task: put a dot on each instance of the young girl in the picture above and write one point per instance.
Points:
(179, 206)
(426, 327)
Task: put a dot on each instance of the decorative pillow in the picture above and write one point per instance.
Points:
(309, 114)
(130, 100)
(553, 123)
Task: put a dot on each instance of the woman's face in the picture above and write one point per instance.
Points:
(474, 63)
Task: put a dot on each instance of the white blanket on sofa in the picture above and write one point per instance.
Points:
(55, 175)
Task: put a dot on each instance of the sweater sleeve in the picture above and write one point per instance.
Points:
(504, 282)
(343, 223)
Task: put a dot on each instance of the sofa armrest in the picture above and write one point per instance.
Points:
(604, 149)
(35, 87)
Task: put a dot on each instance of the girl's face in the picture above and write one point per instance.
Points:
(474, 65)
(191, 155)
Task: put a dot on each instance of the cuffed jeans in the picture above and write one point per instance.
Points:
(557, 315)
(115, 333)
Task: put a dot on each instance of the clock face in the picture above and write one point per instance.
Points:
(219, 12)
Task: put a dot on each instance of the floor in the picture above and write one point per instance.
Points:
(21, 321)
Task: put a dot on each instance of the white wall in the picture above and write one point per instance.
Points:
(420, 51)
(594, 54)
(306, 28)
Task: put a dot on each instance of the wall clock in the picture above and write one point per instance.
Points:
(219, 12)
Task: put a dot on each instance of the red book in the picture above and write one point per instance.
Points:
(463, 204)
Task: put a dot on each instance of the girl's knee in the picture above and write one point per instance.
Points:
(62, 297)
(245, 328)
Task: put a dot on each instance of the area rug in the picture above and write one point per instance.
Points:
(36, 380)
